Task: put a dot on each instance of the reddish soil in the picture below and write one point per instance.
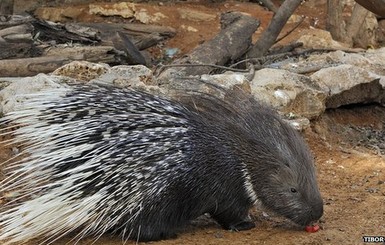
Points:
(348, 144)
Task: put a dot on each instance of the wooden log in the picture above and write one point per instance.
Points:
(164, 31)
(104, 54)
(354, 25)
(56, 57)
(229, 44)
(20, 33)
(335, 22)
(65, 33)
(30, 66)
(16, 42)
(134, 57)
(6, 7)
(14, 20)
(271, 33)
(270, 5)
(16, 50)
(141, 35)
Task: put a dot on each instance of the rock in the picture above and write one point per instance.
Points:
(124, 9)
(14, 97)
(317, 38)
(123, 76)
(288, 92)
(82, 70)
(299, 124)
(348, 84)
(59, 14)
(366, 36)
(174, 84)
(380, 33)
(227, 80)
(294, 18)
(144, 17)
(340, 57)
(376, 58)
(189, 28)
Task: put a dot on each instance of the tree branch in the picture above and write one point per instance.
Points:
(277, 23)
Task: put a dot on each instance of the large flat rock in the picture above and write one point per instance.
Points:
(288, 92)
(348, 84)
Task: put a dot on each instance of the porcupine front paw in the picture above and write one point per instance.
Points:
(242, 226)
(231, 221)
(157, 236)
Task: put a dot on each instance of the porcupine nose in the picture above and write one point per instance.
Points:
(318, 210)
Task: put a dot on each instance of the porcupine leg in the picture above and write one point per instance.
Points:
(157, 236)
(233, 220)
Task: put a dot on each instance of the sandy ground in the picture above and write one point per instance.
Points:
(348, 144)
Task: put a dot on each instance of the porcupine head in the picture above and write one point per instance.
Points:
(277, 165)
(286, 183)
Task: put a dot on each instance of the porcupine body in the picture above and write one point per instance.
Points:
(98, 159)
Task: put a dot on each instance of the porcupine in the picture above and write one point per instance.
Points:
(100, 159)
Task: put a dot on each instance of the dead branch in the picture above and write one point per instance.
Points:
(65, 33)
(349, 31)
(265, 61)
(284, 49)
(335, 23)
(230, 44)
(30, 66)
(270, 5)
(14, 20)
(17, 50)
(291, 30)
(16, 41)
(162, 67)
(56, 57)
(143, 36)
(376, 7)
(270, 35)
(104, 54)
(15, 34)
(354, 24)
(132, 52)
(6, 7)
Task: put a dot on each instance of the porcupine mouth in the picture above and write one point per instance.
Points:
(304, 223)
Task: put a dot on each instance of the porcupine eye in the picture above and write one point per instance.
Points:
(293, 190)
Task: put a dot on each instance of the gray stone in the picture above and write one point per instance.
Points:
(123, 76)
(376, 58)
(123, 9)
(126, 76)
(299, 124)
(14, 96)
(82, 70)
(317, 38)
(348, 84)
(288, 92)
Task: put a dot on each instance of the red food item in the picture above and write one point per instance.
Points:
(312, 228)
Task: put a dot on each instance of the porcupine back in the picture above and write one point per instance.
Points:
(87, 151)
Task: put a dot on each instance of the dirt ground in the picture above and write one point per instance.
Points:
(348, 144)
